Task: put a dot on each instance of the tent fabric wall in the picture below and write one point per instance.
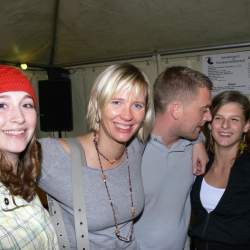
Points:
(83, 77)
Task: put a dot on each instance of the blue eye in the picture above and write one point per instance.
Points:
(139, 106)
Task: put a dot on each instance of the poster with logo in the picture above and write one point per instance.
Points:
(229, 71)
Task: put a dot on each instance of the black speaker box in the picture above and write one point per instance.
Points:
(55, 102)
(55, 73)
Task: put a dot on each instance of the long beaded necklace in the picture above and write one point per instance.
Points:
(105, 157)
(127, 238)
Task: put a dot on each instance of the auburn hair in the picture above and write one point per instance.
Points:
(23, 182)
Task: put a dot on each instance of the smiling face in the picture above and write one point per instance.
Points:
(228, 125)
(195, 114)
(17, 122)
(122, 116)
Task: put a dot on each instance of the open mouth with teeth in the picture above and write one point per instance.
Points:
(227, 134)
(13, 132)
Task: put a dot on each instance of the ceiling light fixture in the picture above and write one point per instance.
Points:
(23, 66)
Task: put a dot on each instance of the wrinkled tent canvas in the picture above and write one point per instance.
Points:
(67, 33)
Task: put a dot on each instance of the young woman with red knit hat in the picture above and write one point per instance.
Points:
(24, 223)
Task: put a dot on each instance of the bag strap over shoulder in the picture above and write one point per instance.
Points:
(77, 161)
(58, 223)
(81, 228)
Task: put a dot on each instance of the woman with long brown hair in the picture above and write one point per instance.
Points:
(24, 223)
(221, 198)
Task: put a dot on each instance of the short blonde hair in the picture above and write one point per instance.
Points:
(111, 81)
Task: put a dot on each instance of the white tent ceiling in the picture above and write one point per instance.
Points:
(65, 33)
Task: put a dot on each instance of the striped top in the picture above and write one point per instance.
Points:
(24, 225)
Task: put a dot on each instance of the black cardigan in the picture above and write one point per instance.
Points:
(229, 222)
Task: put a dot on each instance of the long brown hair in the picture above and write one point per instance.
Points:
(22, 183)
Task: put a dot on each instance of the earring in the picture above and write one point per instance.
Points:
(243, 144)
(97, 117)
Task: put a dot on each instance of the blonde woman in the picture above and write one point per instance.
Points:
(120, 115)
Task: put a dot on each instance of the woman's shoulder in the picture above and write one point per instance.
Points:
(53, 148)
(136, 147)
(244, 159)
(136, 144)
(57, 144)
(48, 142)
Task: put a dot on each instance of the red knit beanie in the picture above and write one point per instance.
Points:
(13, 79)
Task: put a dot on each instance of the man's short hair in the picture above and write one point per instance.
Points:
(178, 83)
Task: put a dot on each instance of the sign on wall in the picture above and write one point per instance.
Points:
(229, 71)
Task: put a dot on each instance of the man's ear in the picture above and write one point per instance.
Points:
(176, 109)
